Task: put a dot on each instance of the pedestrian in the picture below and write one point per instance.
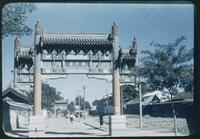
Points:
(71, 118)
(101, 119)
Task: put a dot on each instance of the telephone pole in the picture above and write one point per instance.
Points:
(140, 99)
(84, 99)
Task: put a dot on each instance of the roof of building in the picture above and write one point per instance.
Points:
(125, 54)
(157, 92)
(24, 52)
(61, 102)
(85, 39)
(17, 104)
(17, 92)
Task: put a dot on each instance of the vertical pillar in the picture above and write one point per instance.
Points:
(16, 46)
(116, 83)
(140, 99)
(37, 73)
(135, 48)
(63, 60)
(84, 99)
(90, 61)
(117, 122)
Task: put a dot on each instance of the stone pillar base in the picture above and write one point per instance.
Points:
(37, 126)
(117, 125)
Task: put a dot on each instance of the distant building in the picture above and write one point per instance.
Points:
(155, 97)
(60, 107)
(16, 109)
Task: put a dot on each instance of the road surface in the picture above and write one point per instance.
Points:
(62, 127)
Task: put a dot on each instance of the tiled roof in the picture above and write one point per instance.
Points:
(76, 39)
(126, 55)
(17, 92)
(17, 104)
(25, 52)
(61, 102)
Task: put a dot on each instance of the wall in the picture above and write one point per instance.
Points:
(158, 110)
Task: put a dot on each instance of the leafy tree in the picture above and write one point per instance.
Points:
(87, 105)
(14, 17)
(129, 92)
(169, 67)
(80, 101)
(71, 106)
(95, 102)
(30, 97)
(49, 96)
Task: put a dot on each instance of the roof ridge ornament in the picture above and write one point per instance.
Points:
(38, 30)
(134, 43)
(16, 42)
(115, 32)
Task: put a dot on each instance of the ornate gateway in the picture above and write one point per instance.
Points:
(58, 54)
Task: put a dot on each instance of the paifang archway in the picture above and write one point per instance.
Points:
(60, 54)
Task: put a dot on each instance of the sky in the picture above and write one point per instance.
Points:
(147, 22)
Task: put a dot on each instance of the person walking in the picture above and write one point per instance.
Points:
(101, 119)
(71, 118)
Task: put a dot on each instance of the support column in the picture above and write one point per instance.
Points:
(90, 61)
(63, 60)
(16, 46)
(37, 74)
(37, 122)
(136, 49)
(116, 77)
(117, 122)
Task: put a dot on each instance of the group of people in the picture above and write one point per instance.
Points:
(71, 117)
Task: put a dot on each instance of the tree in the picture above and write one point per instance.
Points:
(80, 101)
(129, 92)
(87, 105)
(49, 96)
(14, 17)
(95, 102)
(169, 67)
(71, 106)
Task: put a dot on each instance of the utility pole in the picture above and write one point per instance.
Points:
(84, 99)
(79, 106)
(122, 100)
(106, 94)
(107, 99)
(140, 99)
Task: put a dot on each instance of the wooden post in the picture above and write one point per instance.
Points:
(84, 100)
(121, 92)
(16, 46)
(37, 73)
(140, 99)
(116, 83)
